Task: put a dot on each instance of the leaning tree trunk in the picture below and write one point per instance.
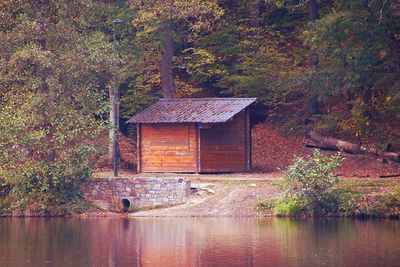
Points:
(313, 139)
(167, 78)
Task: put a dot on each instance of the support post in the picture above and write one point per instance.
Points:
(139, 147)
(198, 153)
(247, 140)
(115, 141)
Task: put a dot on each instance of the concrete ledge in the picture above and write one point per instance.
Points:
(140, 192)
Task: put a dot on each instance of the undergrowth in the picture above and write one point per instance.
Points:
(311, 189)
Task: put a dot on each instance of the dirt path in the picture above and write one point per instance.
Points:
(236, 199)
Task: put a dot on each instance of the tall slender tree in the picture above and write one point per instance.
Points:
(312, 102)
(160, 17)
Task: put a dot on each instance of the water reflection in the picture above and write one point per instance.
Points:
(199, 242)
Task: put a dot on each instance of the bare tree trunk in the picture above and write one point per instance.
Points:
(312, 103)
(313, 11)
(167, 78)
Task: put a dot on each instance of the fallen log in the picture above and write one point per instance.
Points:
(313, 139)
(389, 176)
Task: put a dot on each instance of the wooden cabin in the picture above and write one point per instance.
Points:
(194, 135)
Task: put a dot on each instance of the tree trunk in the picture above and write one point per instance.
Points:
(167, 78)
(254, 13)
(312, 103)
(313, 139)
(313, 11)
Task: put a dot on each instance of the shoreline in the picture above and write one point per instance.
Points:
(238, 199)
(112, 215)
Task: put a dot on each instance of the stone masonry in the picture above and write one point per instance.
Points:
(139, 191)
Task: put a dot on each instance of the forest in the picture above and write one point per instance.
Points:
(328, 65)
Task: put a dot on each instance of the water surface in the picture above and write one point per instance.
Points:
(199, 242)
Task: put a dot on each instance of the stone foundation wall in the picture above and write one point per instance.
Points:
(139, 191)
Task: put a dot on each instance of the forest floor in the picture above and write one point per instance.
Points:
(273, 149)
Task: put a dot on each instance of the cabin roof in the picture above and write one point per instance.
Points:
(202, 110)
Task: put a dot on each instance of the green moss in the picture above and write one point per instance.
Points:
(134, 208)
(350, 184)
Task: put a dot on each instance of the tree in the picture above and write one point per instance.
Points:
(358, 48)
(312, 103)
(52, 74)
(159, 18)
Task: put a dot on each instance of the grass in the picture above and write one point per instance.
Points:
(348, 183)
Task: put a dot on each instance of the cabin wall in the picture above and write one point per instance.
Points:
(223, 146)
(167, 147)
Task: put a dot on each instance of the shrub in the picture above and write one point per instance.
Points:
(292, 206)
(45, 188)
(281, 207)
(312, 180)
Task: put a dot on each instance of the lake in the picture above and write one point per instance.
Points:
(198, 242)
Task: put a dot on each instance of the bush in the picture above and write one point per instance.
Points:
(281, 207)
(45, 188)
(289, 207)
(311, 190)
(312, 180)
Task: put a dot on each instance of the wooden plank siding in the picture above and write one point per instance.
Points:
(223, 146)
(168, 147)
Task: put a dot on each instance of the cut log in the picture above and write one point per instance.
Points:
(313, 139)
